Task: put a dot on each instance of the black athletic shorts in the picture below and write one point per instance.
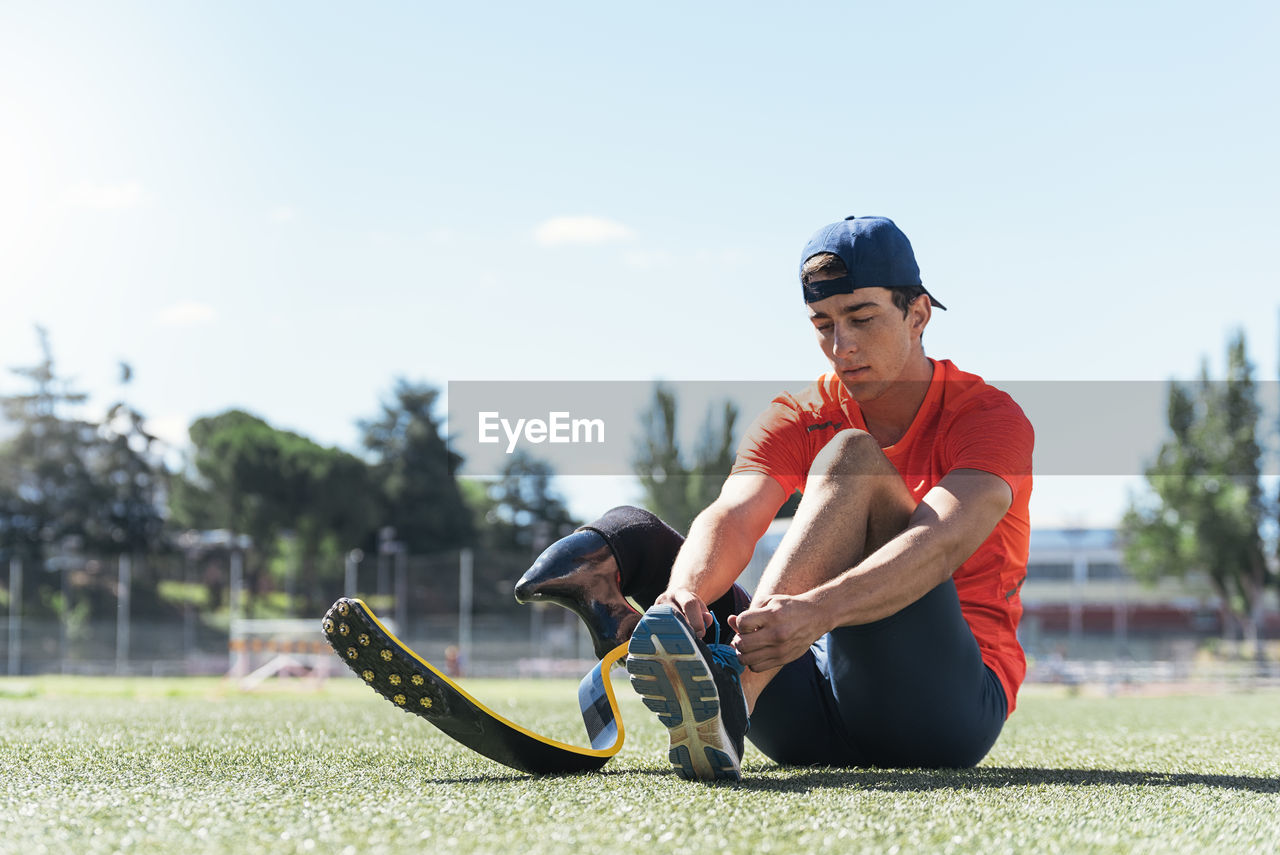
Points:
(910, 690)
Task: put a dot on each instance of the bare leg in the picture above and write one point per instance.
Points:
(854, 503)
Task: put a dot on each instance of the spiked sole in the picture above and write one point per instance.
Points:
(670, 674)
(402, 677)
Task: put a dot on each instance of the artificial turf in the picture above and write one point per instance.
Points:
(178, 766)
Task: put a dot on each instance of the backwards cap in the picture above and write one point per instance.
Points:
(875, 253)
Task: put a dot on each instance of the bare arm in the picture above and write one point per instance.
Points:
(721, 541)
(948, 526)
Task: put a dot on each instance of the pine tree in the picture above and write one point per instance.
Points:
(677, 489)
(520, 512)
(1204, 511)
(70, 483)
(414, 471)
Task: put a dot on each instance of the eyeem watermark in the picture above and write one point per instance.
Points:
(1070, 440)
(559, 427)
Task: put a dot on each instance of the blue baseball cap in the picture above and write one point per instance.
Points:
(875, 253)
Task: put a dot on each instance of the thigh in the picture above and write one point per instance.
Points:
(912, 690)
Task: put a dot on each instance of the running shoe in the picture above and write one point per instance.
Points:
(695, 690)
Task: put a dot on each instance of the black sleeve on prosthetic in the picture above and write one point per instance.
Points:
(645, 548)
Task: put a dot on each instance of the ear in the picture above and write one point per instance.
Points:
(919, 313)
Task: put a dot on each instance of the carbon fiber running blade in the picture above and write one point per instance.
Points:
(415, 686)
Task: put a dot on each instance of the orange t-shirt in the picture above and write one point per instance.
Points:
(963, 423)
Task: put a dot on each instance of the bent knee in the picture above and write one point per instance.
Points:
(851, 452)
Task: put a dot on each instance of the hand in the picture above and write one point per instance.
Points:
(776, 631)
(690, 605)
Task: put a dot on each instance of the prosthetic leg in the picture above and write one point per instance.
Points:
(405, 679)
(627, 553)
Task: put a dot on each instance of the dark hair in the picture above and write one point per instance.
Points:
(904, 297)
(832, 266)
(823, 262)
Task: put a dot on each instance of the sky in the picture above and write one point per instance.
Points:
(285, 206)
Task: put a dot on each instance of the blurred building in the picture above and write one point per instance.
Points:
(1081, 602)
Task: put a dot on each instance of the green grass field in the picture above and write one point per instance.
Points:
(176, 766)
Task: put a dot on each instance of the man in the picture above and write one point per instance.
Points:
(884, 628)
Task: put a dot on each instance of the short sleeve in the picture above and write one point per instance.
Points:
(776, 445)
(992, 434)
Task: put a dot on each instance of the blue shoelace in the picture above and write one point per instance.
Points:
(724, 654)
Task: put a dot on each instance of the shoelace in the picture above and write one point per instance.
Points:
(723, 654)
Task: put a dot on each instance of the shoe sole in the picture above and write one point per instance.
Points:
(668, 672)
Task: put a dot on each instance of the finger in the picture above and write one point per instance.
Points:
(754, 642)
(696, 620)
(689, 606)
(764, 659)
(751, 620)
(695, 613)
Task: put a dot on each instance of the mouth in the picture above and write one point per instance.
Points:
(854, 373)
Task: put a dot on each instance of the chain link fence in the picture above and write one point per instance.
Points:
(172, 615)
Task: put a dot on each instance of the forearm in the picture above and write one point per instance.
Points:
(887, 581)
(717, 550)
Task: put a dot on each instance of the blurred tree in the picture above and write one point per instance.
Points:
(65, 480)
(131, 480)
(45, 488)
(520, 512)
(335, 511)
(677, 489)
(413, 473)
(253, 479)
(1205, 508)
(517, 515)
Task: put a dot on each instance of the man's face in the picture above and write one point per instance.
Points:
(867, 340)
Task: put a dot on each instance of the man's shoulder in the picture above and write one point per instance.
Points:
(821, 399)
(970, 401)
(964, 391)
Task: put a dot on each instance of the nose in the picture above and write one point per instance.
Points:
(843, 342)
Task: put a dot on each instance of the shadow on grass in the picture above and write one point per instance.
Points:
(990, 777)
(919, 780)
(514, 777)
